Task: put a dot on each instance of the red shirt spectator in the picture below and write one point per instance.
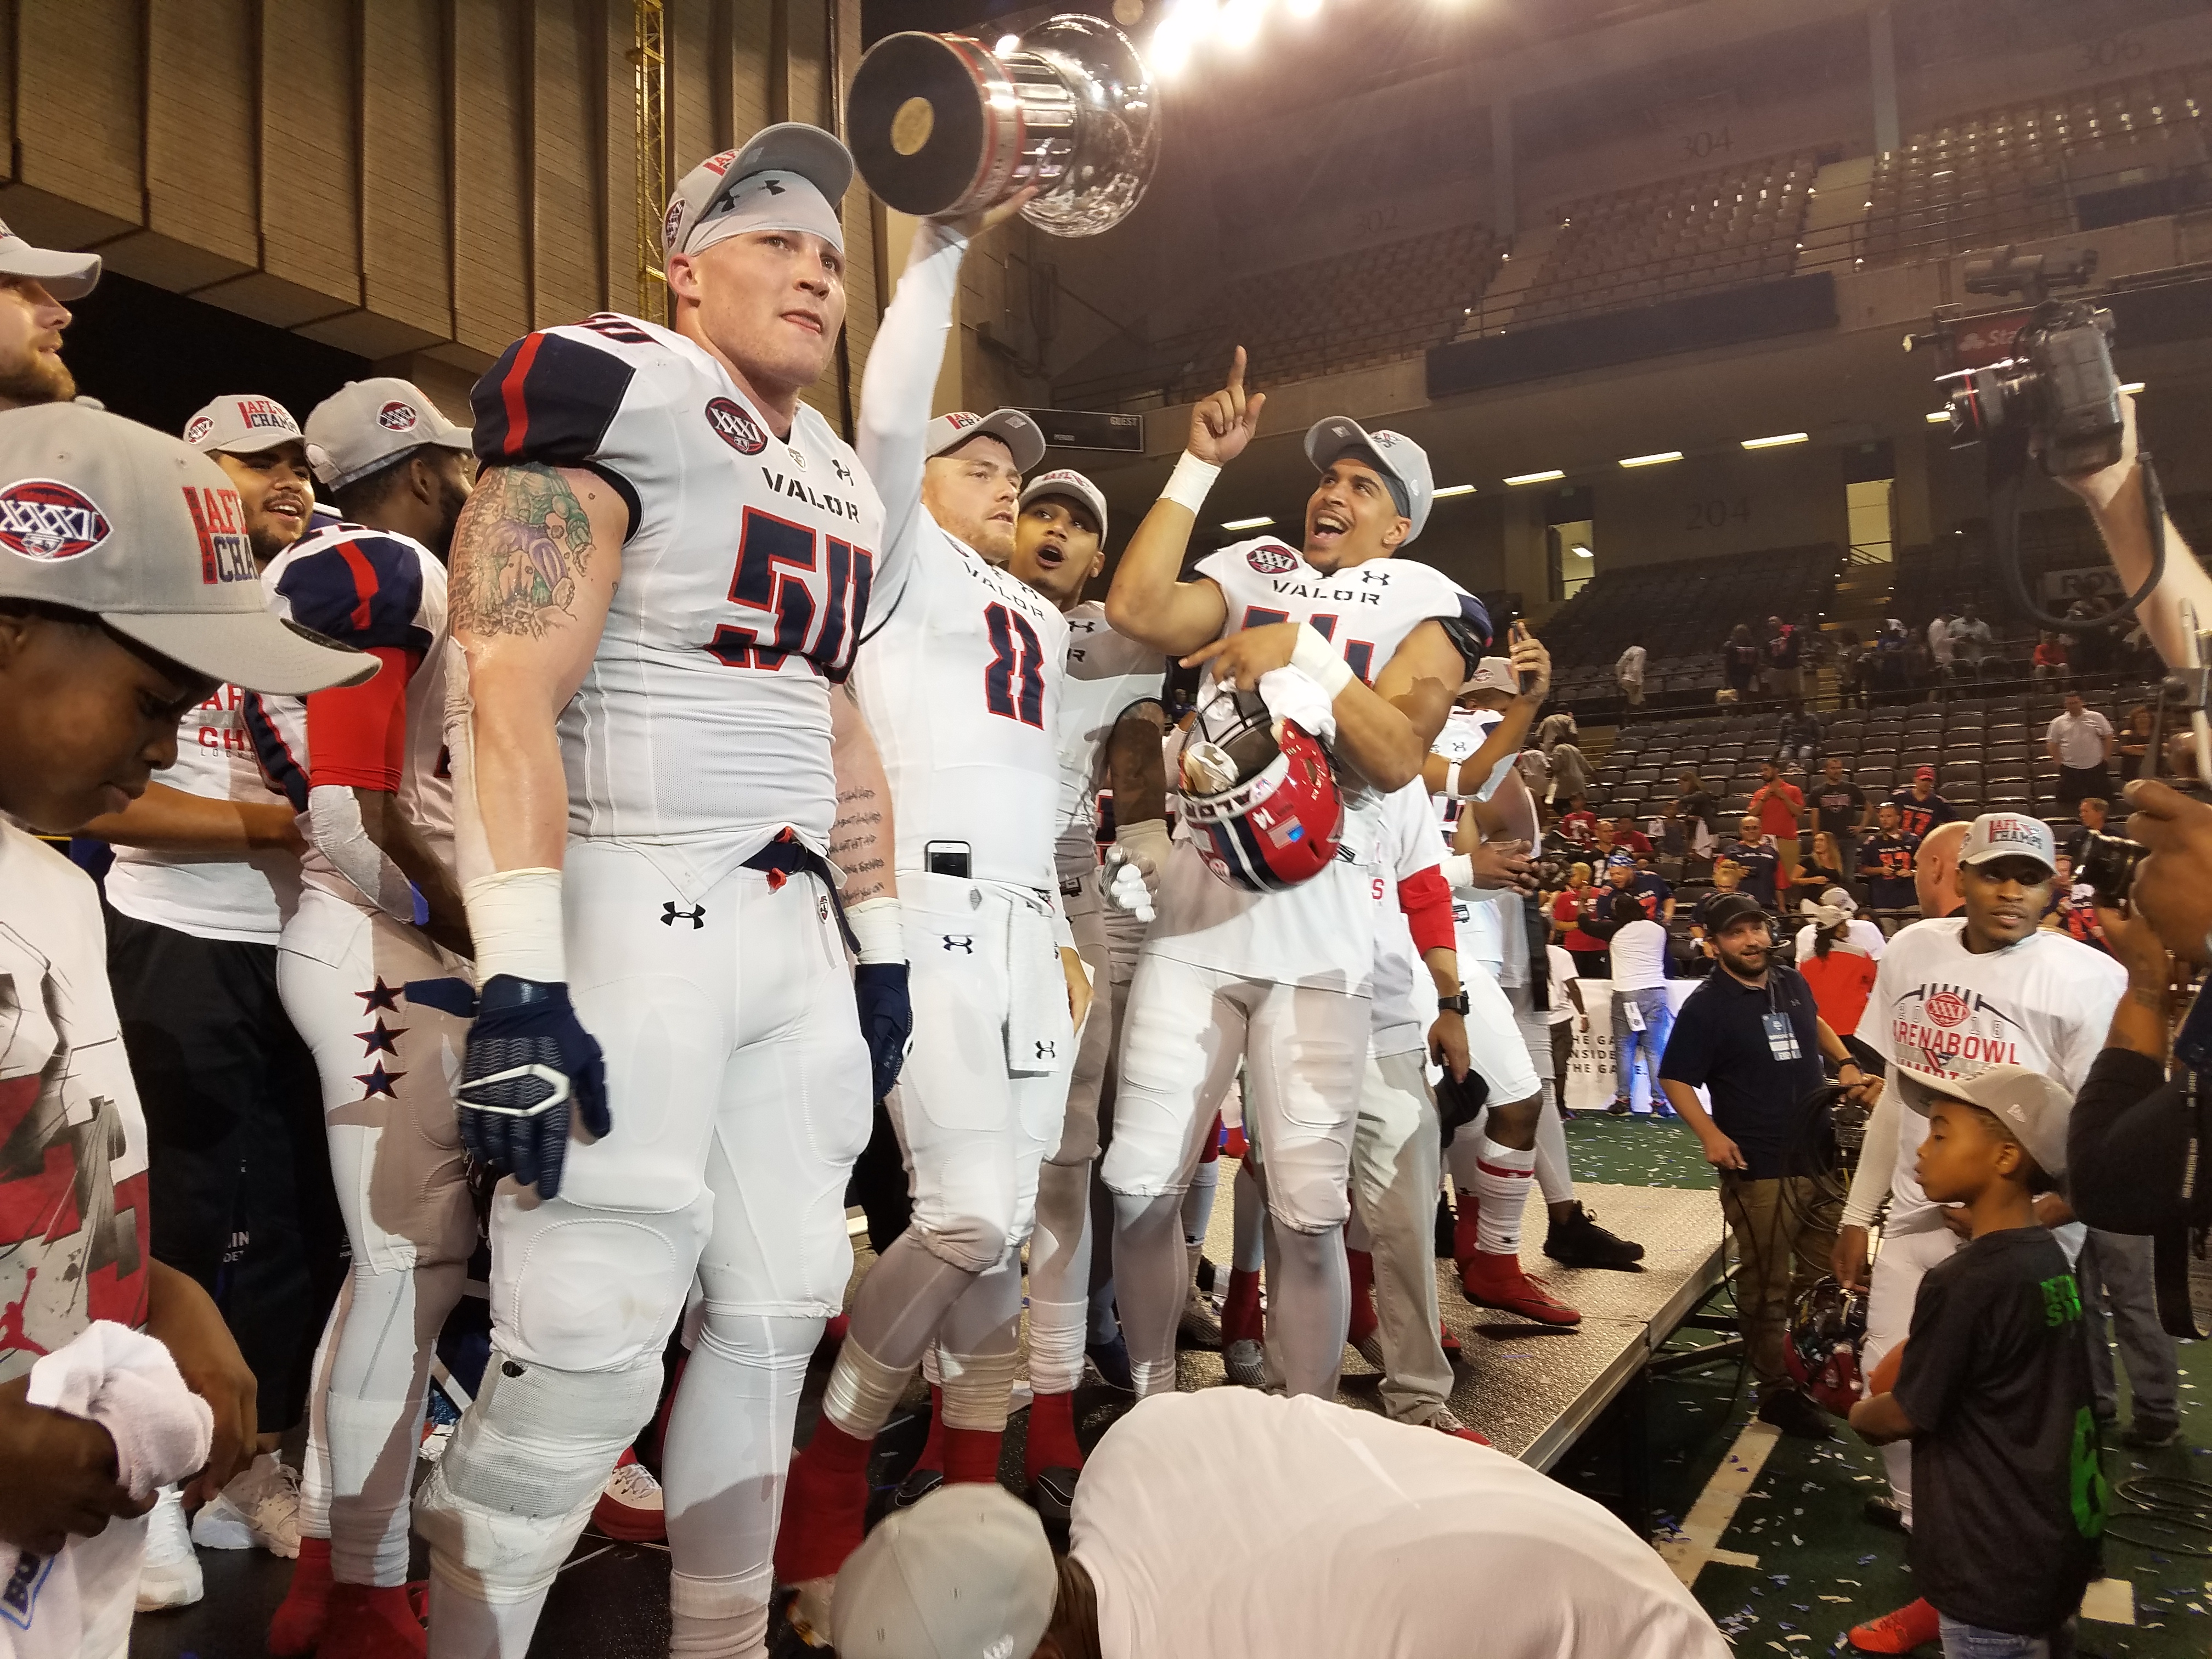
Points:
(1842, 980)
(1579, 825)
(1781, 808)
(1567, 909)
(1631, 840)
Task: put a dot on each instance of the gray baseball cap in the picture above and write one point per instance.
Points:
(360, 426)
(2009, 835)
(1011, 427)
(964, 1573)
(242, 424)
(2033, 1107)
(104, 515)
(66, 276)
(811, 153)
(1066, 481)
(1399, 458)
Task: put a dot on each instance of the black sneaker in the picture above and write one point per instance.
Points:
(918, 1485)
(2146, 1435)
(1579, 1241)
(1620, 1107)
(1796, 1416)
(1112, 1361)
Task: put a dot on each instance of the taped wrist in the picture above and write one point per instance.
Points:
(1146, 840)
(334, 824)
(515, 917)
(1458, 870)
(1319, 662)
(1187, 484)
(879, 925)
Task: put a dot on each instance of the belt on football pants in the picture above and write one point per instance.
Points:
(787, 856)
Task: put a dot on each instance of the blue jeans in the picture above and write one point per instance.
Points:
(1658, 1020)
(1971, 1642)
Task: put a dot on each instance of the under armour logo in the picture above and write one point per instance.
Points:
(1375, 576)
(670, 915)
(843, 472)
(1048, 1050)
(771, 187)
(959, 942)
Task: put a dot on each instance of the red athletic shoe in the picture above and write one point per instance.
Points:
(1496, 1281)
(630, 1506)
(1449, 1343)
(297, 1625)
(1901, 1631)
(368, 1622)
(1444, 1420)
(1466, 1231)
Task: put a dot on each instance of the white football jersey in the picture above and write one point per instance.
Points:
(237, 896)
(1478, 912)
(382, 592)
(1321, 932)
(1405, 845)
(1936, 1007)
(746, 575)
(1107, 673)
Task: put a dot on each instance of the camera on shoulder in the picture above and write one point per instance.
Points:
(2058, 385)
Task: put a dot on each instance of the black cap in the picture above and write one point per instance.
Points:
(1729, 908)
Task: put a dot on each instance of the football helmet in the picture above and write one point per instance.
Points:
(1827, 1326)
(1260, 796)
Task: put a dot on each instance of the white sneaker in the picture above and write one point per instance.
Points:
(435, 1442)
(260, 1510)
(630, 1506)
(170, 1575)
(1246, 1362)
(1200, 1327)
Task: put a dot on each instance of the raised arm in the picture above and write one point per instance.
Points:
(2114, 498)
(897, 392)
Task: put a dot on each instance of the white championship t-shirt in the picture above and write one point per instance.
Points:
(1639, 957)
(1231, 1524)
(2044, 1003)
(230, 896)
(1405, 846)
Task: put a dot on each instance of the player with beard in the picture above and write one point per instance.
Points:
(1952, 996)
(960, 682)
(33, 283)
(364, 771)
(1282, 979)
(659, 585)
(206, 869)
(1111, 722)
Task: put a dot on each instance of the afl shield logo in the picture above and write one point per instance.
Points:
(1272, 560)
(1948, 1008)
(735, 428)
(198, 429)
(42, 519)
(396, 417)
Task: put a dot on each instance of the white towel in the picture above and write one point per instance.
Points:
(126, 1382)
(1038, 1040)
(1291, 695)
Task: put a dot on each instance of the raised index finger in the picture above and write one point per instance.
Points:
(1237, 371)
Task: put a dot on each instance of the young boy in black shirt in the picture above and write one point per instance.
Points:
(1993, 1385)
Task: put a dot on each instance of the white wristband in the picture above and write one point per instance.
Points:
(878, 926)
(514, 917)
(1458, 872)
(1320, 661)
(1189, 482)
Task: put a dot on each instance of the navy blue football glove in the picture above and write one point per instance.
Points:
(528, 1061)
(886, 1018)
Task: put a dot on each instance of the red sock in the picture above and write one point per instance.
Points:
(825, 1505)
(1466, 1241)
(1363, 1292)
(971, 1454)
(1240, 1308)
(932, 1447)
(370, 1621)
(297, 1625)
(1052, 1435)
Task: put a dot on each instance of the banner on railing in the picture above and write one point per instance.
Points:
(2064, 586)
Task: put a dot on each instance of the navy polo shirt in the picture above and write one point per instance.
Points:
(1719, 1044)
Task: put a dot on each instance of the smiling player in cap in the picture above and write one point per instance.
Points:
(127, 593)
(659, 584)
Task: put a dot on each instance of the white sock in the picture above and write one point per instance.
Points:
(1552, 1151)
(1502, 1176)
(466, 1627)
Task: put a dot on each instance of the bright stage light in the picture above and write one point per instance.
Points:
(1775, 442)
(1663, 457)
(1536, 478)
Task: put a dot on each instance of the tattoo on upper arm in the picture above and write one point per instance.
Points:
(520, 545)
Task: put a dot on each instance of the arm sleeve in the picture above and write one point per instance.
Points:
(334, 825)
(2127, 1142)
(357, 734)
(895, 392)
(1427, 903)
(1877, 1163)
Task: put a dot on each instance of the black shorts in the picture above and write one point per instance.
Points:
(239, 1176)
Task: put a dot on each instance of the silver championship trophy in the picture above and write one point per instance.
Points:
(942, 127)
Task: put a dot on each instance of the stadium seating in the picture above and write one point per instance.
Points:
(1719, 229)
(2013, 173)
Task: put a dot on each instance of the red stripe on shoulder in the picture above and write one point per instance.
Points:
(364, 582)
(511, 392)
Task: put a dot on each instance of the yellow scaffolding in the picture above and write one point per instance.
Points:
(649, 60)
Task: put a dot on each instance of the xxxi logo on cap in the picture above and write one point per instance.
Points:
(42, 519)
(397, 417)
(198, 429)
(735, 428)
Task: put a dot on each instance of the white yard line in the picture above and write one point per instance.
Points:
(1698, 1541)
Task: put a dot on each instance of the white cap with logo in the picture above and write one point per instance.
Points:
(791, 176)
(1403, 463)
(104, 515)
(2009, 835)
(2034, 1108)
(364, 423)
(1011, 427)
(1066, 481)
(964, 1574)
(1493, 674)
(242, 424)
(66, 276)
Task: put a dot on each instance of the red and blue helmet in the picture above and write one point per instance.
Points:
(1827, 1329)
(1260, 796)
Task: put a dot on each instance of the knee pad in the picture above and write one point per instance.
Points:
(505, 1504)
(593, 1292)
(1307, 1188)
(978, 1387)
(971, 1243)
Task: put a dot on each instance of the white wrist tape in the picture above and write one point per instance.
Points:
(1188, 483)
(1320, 661)
(879, 925)
(514, 917)
(1459, 872)
(334, 824)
